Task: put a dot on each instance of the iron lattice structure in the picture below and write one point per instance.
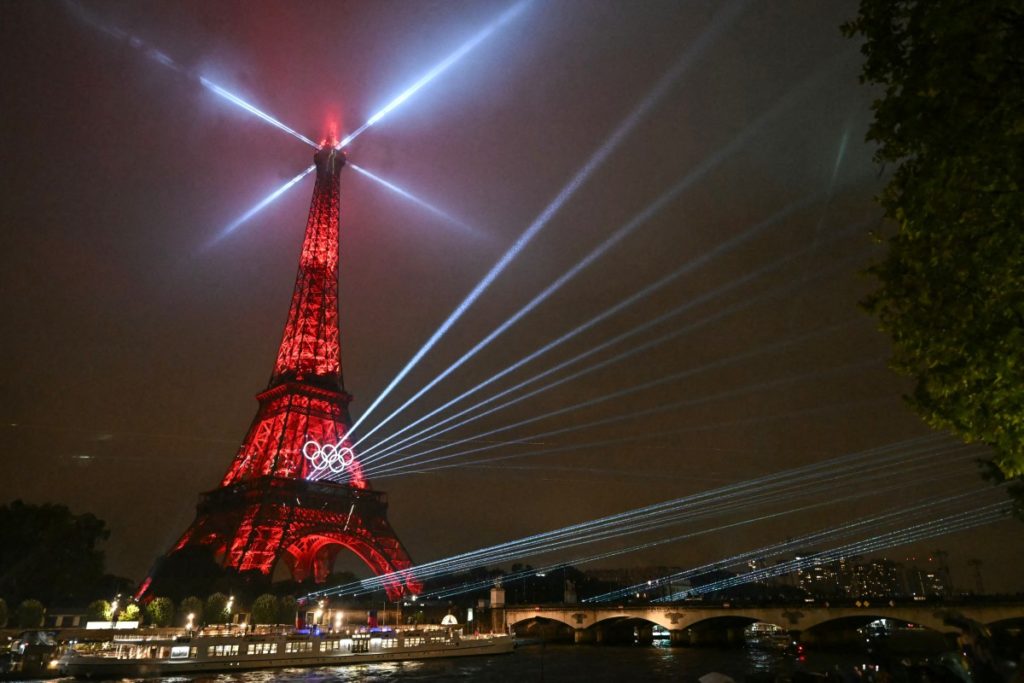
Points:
(269, 506)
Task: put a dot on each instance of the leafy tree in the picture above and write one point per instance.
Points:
(58, 558)
(98, 610)
(30, 614)
(265, 609)
(129, 613)
(216, 609)
(950, 118)
(101, 609)
(160, 612)
(3, 613)
(113, 610)
(286, 613)
(190, 605)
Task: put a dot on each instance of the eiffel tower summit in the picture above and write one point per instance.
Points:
(273, 503)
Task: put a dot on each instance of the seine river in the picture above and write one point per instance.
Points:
(589, 663)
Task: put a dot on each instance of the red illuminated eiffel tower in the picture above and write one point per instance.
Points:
(270, 505)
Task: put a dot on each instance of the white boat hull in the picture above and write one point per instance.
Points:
(96, 666)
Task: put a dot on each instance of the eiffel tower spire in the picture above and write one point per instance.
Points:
(310, 350)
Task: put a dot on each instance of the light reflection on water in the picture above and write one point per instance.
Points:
(585, 663)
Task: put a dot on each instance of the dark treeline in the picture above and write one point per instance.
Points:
(50, 554)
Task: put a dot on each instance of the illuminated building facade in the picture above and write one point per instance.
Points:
(878, 578)
(857, 577)
(271, 504)
(817, 576)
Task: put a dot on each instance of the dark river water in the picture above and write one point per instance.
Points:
(589, 664)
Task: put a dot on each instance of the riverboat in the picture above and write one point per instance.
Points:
(141, 656)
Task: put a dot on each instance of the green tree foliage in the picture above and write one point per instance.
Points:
(58, 559)
(98, 610)
(216, 609)
(29, 614)
(3, 613)
(129, 613)
(191, 605)
(950, 119)
(286, 613)
(265, 609)
(160, 612)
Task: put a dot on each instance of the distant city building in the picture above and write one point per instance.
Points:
(927, 576)
(852, 577)
(878, 578)
(857, 577)
(758, 564)
(817, 576)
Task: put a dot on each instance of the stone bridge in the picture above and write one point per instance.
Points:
(724, 623)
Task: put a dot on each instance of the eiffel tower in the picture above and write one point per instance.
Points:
(272, 504)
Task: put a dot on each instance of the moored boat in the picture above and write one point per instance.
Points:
(137, 655)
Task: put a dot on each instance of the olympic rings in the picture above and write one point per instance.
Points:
(333, 456)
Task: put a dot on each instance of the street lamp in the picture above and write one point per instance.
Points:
(191, 619)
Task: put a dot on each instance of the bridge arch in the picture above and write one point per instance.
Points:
(862, 617)
(718, 629)
(617, 619)
(543, 628)
(526, 618)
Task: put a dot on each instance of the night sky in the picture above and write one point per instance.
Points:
(135, 339)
